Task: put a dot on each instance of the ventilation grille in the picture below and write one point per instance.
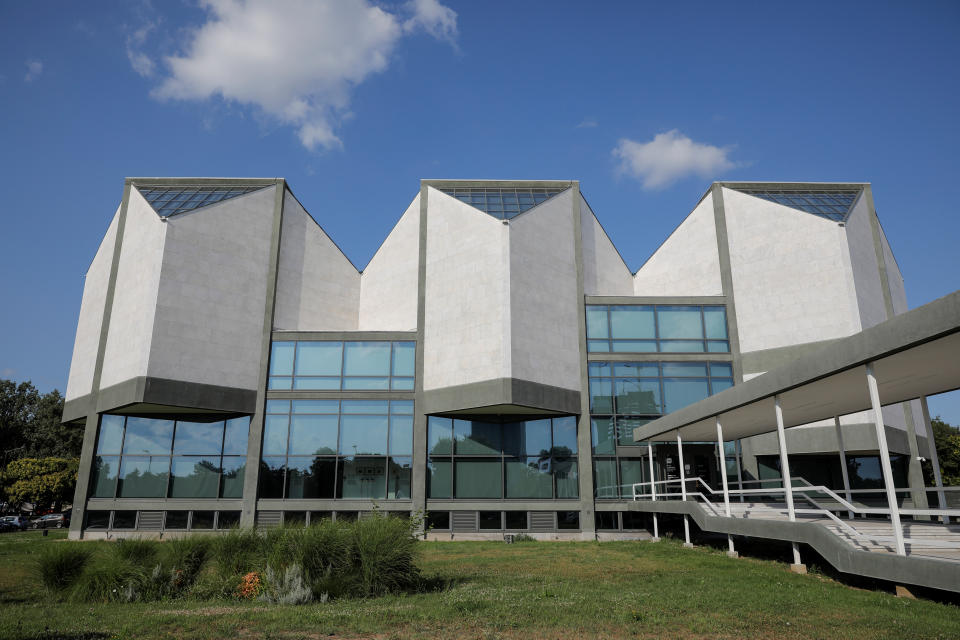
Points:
(268, 518)
(542, 521)
(150, 520)
(464, 520)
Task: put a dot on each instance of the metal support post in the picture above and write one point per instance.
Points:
(683, 492)
(785, 474)
(653, 493)
(726, 487)
(885, 460)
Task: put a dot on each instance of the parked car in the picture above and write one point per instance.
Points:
(19, 522)
(51, 521)
(7, 527)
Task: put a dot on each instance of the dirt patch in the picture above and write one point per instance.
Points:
(210, 611)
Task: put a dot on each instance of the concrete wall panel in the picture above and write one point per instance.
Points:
(898, 292)
(467, 323)
(791, 274)
(318, 288)
(688, 262)
(604, 272)
(135, 297)
(543, 294)
(209, 311)
(389, 283)
(87, 341)
(863, 260)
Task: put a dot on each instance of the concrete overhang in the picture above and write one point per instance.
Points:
(914, 354)
(501, 397)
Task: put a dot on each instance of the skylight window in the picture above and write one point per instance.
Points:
(502, 203)
(832, 204)
(169, 201)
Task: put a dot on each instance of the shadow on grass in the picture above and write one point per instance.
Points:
(47, 634)
(436, 584)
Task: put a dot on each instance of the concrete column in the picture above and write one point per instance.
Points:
(787, 480)
(918, 494)
(885, 460)
(934, 458)
(418, 480)
(736, 445)
(843, 464)
(653, 491)
(726, 488)
(683, 492)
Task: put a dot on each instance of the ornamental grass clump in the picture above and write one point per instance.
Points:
(59, 565)
(385, 555)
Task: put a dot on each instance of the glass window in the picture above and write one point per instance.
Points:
(625, 427)
(111, 434)
(604, 436)
(440, 435)
(316, 406)
(228, 519)
(438, 519)
(361, 434)
(527, 438)
(529, 478)
(515, 519)
(278, 406)
(634, 321)
(202, 519)
(691, 369)
(148, 436)
(98, 519)
(632, 471)
(567, 478)
(366, 359)
(198, 438)
(565, 435)
(319, 358)
(311, 477)
(637, 395)
(401, 435)
(679, 322)
(476, 437)
(398, 477)
(719, 384)
(105, 472)
(439, 478)
(489, 520)
(235, 436)
(680, 392)
(124, 519)
(176, 519)
(376, 407)
(605, 477)
(195, 477)
(233, 468)
(404, 358)
(715, 322)
(607, 521)
(721, 369)
(568, 519)
(362, 477)
(275, 435)
(597, 322)
(281, 358)
(313, 434)
(143, 477)
(478, 479)
(271, 477)
(601, 395)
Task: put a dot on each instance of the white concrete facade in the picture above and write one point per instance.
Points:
(389, 283)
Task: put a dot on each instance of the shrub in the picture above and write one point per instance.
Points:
(250, 586)
(109, 578)
(237, 551)
(136, 552)
(385, 553)
(185, 558)
(288, 588)
(58, 565)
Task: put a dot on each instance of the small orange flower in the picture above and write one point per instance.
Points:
(250, 586)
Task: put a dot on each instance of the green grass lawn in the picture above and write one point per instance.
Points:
(493, 590)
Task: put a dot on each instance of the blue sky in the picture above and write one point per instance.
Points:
(354, 103)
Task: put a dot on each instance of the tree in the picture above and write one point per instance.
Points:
(947, 440)
(46, 482)
(30, 424)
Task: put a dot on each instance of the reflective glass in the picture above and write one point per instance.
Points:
(568, 519)
(404, 357)
(636, 369)
(311, 477)
(715, 322)
(281, 384)
(679, 322)
(440, 435)
(680, 392)
(401, 406)
(319, 358)
(111, 434)
(625, 427)
(105, 472)
(363, 435)
(632, 471)
(401, 384)
(527, 438)
(398, 477)
(176, 520)
(515, 519)
(316, 384)
(143, 477)
(529, 478)
(598, 346)
(605, 478)
(632, 322)
(681, 346)
(148, 436)
(366, 384)
(365, 406)
(476, 437)
(718, 346)
(478, 479)
(719, 384)
(316, 406)
(489, 520)
(233, 472)
(599, 369)
(601, 395)
(195, 477)
(637, 395)
(438, 519)
(313, 434)
(198, 438)
(366, 359)
(567, 478)
(275, 435)
(271, 477)
(678, 369)
(124, 519)
(281, 358)
(439, 478)
(362, 478)
(171, 200)
(565, 435)
(401, 435)
(634, 346)
(604, 435)
(597, 322)
(721, 369)
(202, 519)
(235, 436)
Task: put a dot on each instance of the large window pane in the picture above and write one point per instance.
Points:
(148, 436)
(715, 320)
(319, 358)
(376, 407)
(313, 434)
(281, 358)
(398, 478)
(679, 322)
(366, 384)
(638, 395)
(195, 477)
(111, 434)
(306, 383)
(362, 478)
(685, 369)
(597, 322)
(143, 477)
(719, 384)
(605, 478)
(680, 392)
(404, 357)
(363, 435)
(603, 434)
(632, 322)
(311, 477)
(634, 346)
(529, 478)
(527, 438)
(275, 435)
(567, 478)
(235, 436)
(478, 479)
(198, 438)
(721, 369)
(625, 427)
(366, 359)
(636, 369)
(401, 435)
(681, 346)
(316, 406)
(271, 477)
(601, 395)
(105, 472)
(565, 435)
(233, 471)
(439, 478)
(440, 435)
(632, 471)
(476, 437)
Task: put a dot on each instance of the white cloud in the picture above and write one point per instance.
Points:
(296, 61)
(669, 157)
(140, 61)
(34, 69)
(588, 123)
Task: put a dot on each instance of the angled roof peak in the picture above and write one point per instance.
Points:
(172, 199)
(502, 200)
(830, 201)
